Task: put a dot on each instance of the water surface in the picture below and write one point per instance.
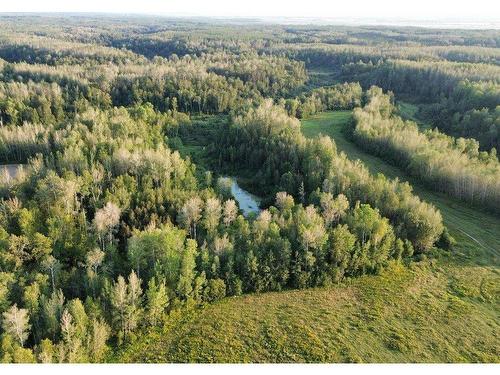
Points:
(248, 202)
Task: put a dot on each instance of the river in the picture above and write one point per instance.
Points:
(248, 202)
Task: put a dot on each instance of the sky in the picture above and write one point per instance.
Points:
(389, 9)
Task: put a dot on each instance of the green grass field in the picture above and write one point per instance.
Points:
(432, 311)
(444, 309)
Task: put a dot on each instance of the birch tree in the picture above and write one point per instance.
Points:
(16, 323)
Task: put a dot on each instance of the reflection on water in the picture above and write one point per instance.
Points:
(248, 202)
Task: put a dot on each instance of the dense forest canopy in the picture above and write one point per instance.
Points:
(109, 225)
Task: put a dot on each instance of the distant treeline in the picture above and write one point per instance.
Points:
(461, 99)
(454, 166)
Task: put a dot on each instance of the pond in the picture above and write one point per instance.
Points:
(248, 202)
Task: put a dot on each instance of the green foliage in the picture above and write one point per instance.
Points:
(156, 250)
(216, 290)
(123, 134)
(157, 302)
(446, 241)
(453, 166)
(269, 142)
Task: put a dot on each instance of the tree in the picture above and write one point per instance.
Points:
(52, 309)
(229, 212)
(364, 221)
(6, 280)
(16, 323)
(96, 341)
(93, 261)
(157, 250)
(222, 244)
(52, 265)
(56, 195)
(263, 221)
(18, 250)
(31, 300)
(12, 352)
(187, 270)
(45, 351)
(71, 345)
(106, 219)
(95, 180)
(446, 240)
(157, 301)
(41, 246)
(190, 214)
(134, 300)
(126, 303)
(211, 215)
(119, 303)
(341, 247)
(284, 201)
(223, 187)
(79, 318)
(311, 229)
(333, 209)
(302, 193)
(216, 290)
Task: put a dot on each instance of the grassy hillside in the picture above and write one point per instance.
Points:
(444, 309)
(433, 311)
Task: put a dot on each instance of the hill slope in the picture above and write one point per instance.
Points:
(434, 311)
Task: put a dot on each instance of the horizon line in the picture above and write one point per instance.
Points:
(427, 22)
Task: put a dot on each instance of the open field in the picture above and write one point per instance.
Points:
(319, 77)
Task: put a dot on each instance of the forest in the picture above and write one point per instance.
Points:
(118, 134)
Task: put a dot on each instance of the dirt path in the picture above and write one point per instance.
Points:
(492, 251)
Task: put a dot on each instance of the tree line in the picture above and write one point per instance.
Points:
(461, 99)
(454, 166)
